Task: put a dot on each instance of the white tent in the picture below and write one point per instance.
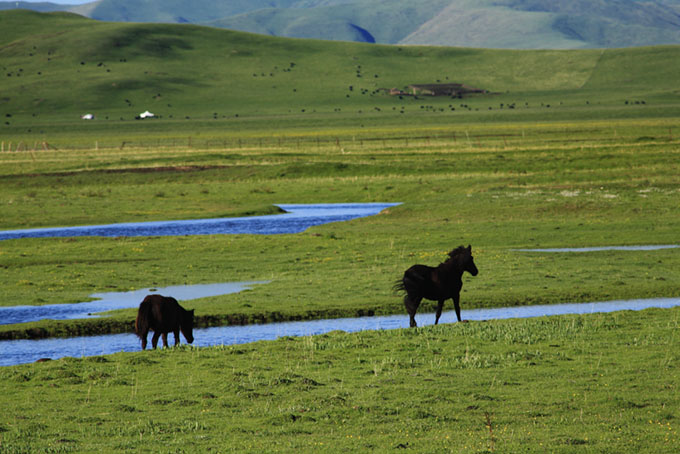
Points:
(146, 114)
(87, 117)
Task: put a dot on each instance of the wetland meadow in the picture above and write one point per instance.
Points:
(581, 152)
(571, 383)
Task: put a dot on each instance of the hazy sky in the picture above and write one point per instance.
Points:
(60, 2)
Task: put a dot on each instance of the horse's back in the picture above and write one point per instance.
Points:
(163, 304)
(160, 313)
(417, 276)
(425, 282)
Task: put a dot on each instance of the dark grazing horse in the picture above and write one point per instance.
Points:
(437, 284)
(163, 314)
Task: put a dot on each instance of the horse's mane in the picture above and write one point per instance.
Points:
(460, 250)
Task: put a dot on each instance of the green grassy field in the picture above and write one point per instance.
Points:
(590, 170)
(496, 186)
(569, 384)
(570, 148)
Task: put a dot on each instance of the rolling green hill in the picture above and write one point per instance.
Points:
(58, 66)
(509, 24)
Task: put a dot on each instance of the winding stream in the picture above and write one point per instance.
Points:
(297, 219)
(26, 351)
(116, 300)
(604, 248)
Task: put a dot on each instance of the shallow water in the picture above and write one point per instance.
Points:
(603, 248)
(116, 300)
(297, 219)
(26, 351)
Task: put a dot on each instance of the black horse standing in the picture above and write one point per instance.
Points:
(163, 314)
(437, 284)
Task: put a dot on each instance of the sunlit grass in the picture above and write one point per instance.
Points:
(600, 382)
(545, 190)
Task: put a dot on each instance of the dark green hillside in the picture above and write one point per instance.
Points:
(639, 70)
(56, 67)
(19, 25)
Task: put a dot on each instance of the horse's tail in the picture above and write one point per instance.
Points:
(399, 285)
(143, 317)
(410, 280)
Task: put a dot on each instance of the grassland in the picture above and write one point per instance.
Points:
(600, 383)
(496, 186)
(568, 149)
(591, 171)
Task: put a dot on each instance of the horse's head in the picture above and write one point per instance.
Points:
(187, 325)
(470, 266)
(463, 256)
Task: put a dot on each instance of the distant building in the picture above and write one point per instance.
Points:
(453, 90)
(458, 90)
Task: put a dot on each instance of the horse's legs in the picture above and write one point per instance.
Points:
(176, 333)
(154, 339)
(456, 304)
(439, 311)
(143, 336)
(165, 340)
(411, 307)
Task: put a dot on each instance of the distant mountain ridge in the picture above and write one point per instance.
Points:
(510, 24)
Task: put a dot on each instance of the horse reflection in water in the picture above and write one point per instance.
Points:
(163, 314)
(437, 284)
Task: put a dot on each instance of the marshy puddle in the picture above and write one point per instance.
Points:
(297, 218)
(116, 300)
(26, 351)
(603, 248)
